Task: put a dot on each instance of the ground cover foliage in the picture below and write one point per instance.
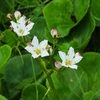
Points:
(65, 27)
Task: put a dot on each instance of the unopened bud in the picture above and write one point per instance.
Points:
(54, 33)
(9, 16)
(77, 54)
(29, 21)
(29, 44)
(17, 15)
(58, 64)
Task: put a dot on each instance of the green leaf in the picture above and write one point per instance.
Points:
(2, 98)
(5, 52)
(9, 38)
(65, 14)
(81, 34)
(8, 6)
(95, 8)
(69, 84)
(19, 68)
(88, 95)
(90, 64)
(34, 92)
(57, 14)
(80, 84)
(80, 8)
(39, 28)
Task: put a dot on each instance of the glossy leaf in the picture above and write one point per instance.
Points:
(80, 35)
(19, 68)
(80, 84)
(5, 52)
(70, 84)
(95, 9)
(90, 65)
(65, 14)
(39, 28)
(9, 38)
(34, 92)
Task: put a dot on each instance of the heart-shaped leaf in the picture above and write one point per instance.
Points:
(65, 14)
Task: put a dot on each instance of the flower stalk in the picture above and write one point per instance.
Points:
(48, 75)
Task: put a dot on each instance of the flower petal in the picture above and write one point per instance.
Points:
(44, 53)
(35, 41)
(22, 20)
(43, 44)
(29, 49)
(62, 55)
(71, 53)
(77, 59)
(34, 55)
(63, 63)
(14, 25)
(29, 26)
(73, 66)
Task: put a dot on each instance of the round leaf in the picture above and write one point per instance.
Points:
(19, 68)
(65, 14)
(30, 92)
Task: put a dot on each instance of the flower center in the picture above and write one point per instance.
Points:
(38, 51)
(21, 31)
(68, 62)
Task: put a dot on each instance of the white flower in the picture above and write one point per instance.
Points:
(37, 49)
(71, 59)
(20, 27)
(17, 14)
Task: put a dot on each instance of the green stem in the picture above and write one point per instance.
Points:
(48, 74)
(35, 79)
(20, 54)
(52, 88)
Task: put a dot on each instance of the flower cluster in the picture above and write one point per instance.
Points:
(21, 26)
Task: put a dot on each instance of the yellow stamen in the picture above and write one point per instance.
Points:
(68, 62)
(21, 31)
(47, 47)
(38, 51)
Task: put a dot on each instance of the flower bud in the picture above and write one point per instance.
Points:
(54, 33)
(9, 16)
(17, 15)
(77, 54)
(58, 64)
(29, 44)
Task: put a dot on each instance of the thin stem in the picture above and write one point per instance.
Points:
(35, 79)
(49, 80)
(20, 54)
(52, 88)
